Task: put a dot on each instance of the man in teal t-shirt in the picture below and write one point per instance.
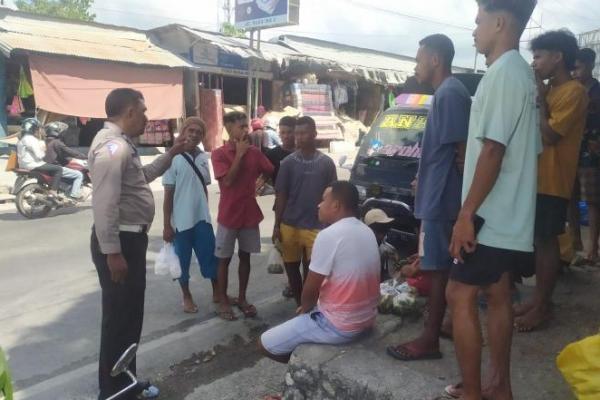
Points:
(500, 182)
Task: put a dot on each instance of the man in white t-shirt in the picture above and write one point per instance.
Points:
(339, 299)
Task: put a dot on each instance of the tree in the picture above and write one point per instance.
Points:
(228, 29)
(70, 9)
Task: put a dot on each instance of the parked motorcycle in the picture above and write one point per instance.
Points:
(32, 191)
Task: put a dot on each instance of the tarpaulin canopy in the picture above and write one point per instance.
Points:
(78, 87)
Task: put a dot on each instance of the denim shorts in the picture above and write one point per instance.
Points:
(312, 327)
(434, 243)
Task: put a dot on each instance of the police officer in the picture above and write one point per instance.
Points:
(123, 208)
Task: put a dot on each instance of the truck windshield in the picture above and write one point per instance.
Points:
(396, 133)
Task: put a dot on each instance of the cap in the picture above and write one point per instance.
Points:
(377, 216)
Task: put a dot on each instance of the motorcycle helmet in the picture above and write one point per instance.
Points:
(30, 126)
(55, 129)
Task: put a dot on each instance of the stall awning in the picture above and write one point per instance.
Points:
(77, 87)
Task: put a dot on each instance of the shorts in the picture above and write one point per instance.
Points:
(550, 216)
(296, 243)
(589, 184)
(434, 242)
(248, 241)
(487, 264)
(312, 327)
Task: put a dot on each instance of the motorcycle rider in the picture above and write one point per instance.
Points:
(31, 152)
(57, 153)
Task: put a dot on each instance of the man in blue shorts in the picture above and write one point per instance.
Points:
(439, 185)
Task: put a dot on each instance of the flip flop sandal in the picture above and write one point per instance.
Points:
(455, 391)
(403, 354)
(193, 310)
(248, 310)
(287, 293)
(226, 315)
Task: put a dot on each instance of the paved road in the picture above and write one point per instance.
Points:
(50, 314)
(49, 319)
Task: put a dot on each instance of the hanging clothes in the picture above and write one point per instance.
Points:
(25, 90)
(340, 95)
(391, 98)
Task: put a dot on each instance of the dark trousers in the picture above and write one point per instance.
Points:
(55, 171)
(122, 309)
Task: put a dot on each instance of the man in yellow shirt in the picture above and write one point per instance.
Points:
(563, 107)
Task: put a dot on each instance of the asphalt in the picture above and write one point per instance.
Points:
(50, 313)
(49, 319)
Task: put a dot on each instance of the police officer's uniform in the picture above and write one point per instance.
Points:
(123, 208)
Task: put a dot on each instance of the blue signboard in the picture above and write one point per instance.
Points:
(232, 61)
(260, 14)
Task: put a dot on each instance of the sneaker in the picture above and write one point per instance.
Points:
(149, 392)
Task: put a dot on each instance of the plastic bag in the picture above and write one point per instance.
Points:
(397, 298)
(167, 262)
(579, 364)
(275, 261)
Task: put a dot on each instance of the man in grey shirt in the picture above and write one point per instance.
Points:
(303, 177)
(123, 208)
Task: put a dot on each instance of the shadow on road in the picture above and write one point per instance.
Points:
(15, 216)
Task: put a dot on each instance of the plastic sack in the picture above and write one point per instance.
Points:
(579, 364)
(167, 262)
(275, 261)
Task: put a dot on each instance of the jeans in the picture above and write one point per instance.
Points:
(77, 178)
(312, 327)
(55, 171)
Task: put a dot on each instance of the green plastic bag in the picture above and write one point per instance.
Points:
(5, 380)
(579, 364)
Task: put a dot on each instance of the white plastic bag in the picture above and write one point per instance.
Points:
(167, 262)
(275, 261)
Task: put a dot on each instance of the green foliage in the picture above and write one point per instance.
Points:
(228, 29)
(70, 9)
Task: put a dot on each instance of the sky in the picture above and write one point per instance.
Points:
(389, 25)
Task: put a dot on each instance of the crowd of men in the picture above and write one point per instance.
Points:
(496, 178)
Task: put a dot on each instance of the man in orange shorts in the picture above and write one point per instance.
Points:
(303, 177)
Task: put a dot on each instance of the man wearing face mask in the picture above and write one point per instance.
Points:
(123, 209)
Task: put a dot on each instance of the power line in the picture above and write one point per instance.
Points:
(408, 16)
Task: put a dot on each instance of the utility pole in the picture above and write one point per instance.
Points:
(227, 10)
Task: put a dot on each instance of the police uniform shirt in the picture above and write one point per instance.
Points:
(121, 195)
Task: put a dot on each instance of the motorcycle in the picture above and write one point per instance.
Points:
(32, 191)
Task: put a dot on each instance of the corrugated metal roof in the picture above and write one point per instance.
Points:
(373, 65)
(40, 34)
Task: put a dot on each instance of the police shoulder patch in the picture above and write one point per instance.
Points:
(113, 147)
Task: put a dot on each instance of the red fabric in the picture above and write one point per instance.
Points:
(238, 208)
(73, 86)
(422, 283)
